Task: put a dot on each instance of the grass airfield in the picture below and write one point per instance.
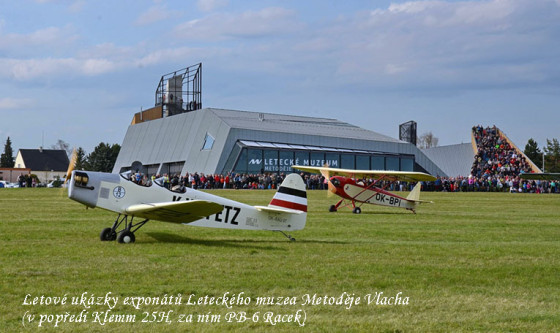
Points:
(487, 262)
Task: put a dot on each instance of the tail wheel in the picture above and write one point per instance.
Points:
(126, 236)
(108, 234)
(357, 210)
(332, 208)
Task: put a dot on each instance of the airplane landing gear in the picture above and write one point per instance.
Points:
(108, 234)
(332, 209)
(126, 234)
(292, 239)
(357, 210)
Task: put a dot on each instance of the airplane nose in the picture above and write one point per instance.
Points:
(81, 188)
(335, 182)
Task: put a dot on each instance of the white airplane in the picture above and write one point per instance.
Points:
(118, 193)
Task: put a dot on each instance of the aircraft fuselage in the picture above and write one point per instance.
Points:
(349, 189)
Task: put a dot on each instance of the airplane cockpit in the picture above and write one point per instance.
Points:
(126, 174)
(179, 188)
(335, 181)
(159, 181)
(136, 178)
(139, 179)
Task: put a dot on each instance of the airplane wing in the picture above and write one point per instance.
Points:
(407, 176)
(540, 176)
(175, 211)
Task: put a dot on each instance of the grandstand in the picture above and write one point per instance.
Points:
(497, 156)
(491, 162)
(465, 159)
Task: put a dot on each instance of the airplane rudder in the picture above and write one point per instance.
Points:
(415, 193)
(291, 194)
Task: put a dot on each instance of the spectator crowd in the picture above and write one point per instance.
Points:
(195, 180)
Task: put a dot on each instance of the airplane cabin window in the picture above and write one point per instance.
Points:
(159, 181)
(126, 174)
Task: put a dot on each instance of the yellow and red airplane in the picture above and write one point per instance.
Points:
(346, 184)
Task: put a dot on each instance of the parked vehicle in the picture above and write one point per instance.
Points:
(6, 184)
(56, 183)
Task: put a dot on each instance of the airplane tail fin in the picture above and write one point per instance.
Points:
(288, 208)
(415, 194)
(291, 194)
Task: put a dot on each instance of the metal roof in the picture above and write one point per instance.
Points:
(297, 124)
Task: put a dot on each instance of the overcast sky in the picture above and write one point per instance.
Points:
(79, 70)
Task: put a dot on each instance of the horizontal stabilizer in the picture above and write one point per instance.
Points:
(175, 211)
(278, 210)
(422, 201)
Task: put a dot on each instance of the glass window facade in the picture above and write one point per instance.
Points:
(316, 159)
(407, 164)
(362, 162)
(333, 160)
(254, 161)
(392, 163)
(378, 162)
(208, 142)
(285, 161)
(347, 161)
(262, 159)
(301, 158)
(172, 168)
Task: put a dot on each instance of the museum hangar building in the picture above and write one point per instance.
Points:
(177, 136)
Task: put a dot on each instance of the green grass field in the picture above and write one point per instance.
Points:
(485, 262)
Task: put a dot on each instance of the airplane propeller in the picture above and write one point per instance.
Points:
(330, 186)
(71, 165)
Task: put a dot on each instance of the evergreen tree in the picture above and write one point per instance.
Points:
(7, 158)
(533, 152)
(103, 157)
(552, 157)
(81, 159)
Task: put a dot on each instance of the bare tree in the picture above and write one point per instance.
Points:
(63, 145)
(427, 140)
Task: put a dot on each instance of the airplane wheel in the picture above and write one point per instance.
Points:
(332, 208)
(108, 234)
(357, 210)
(126, 237)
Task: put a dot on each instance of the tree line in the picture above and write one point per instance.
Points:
(104, 155)
(102, 158)
(550, 154)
